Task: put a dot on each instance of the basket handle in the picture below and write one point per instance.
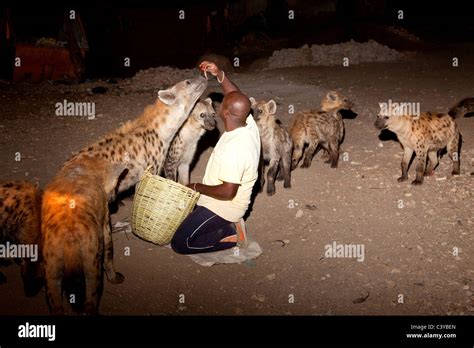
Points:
(148, 171)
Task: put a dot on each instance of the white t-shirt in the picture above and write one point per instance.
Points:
(235, 160)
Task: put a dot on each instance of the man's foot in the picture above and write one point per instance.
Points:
(240, 237)
(229, 239)
(242, 240)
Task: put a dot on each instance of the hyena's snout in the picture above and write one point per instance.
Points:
(210, 122)
(381, 122)
(197, 85)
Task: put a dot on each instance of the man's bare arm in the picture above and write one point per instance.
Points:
(227, 85)
(223, 192)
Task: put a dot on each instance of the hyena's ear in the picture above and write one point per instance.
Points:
(252, 101)
(167, 96)
(331, 96)
(208, 100)
(272, 107)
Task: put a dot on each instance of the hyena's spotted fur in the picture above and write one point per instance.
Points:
(276, 144)
(425, 135)
(183, 147)
(462, 108)
(20, 223)
(76, 232)
(145, 140)
(319, 128)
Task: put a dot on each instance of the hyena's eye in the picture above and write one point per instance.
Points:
(259, 111)
(202, 115)
(187, 82)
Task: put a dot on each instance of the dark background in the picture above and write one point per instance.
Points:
(154, 36)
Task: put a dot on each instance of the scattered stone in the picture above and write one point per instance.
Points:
(362, 298)
(283, 242)
(258, 297)
(271, 277)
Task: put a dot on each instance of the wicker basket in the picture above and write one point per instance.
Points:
(159, 207)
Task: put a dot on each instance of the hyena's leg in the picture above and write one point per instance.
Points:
(285, 168)
(432, 163)
(298, 145)
(407, 153)
(309, 153)
(171, 173)
(183, 173)
(31, 275)
(54, 276)
(271, 174)
(453, 149)
(333, 148)
(325, 156)
(420, 166)
(113, 276)
(280, 175)
(262, 177)
(93, 276)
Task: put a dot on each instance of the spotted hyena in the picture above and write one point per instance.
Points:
(319, 128)
(145, 140)
(462, 108)
(425, 135)
(20, 223)
(183, 147)
(276, 144)
(76, 232)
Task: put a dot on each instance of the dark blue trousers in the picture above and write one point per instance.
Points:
(201, 232)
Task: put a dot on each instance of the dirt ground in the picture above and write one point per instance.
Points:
(409, 233)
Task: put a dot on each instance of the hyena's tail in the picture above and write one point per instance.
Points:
(74, 285)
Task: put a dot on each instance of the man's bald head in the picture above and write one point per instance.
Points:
(236, 105)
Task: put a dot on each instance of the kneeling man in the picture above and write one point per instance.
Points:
(217, 221)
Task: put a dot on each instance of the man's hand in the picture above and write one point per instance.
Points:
(210, 67)
(227, 85)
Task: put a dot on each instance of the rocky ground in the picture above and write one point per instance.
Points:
(418, 241)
